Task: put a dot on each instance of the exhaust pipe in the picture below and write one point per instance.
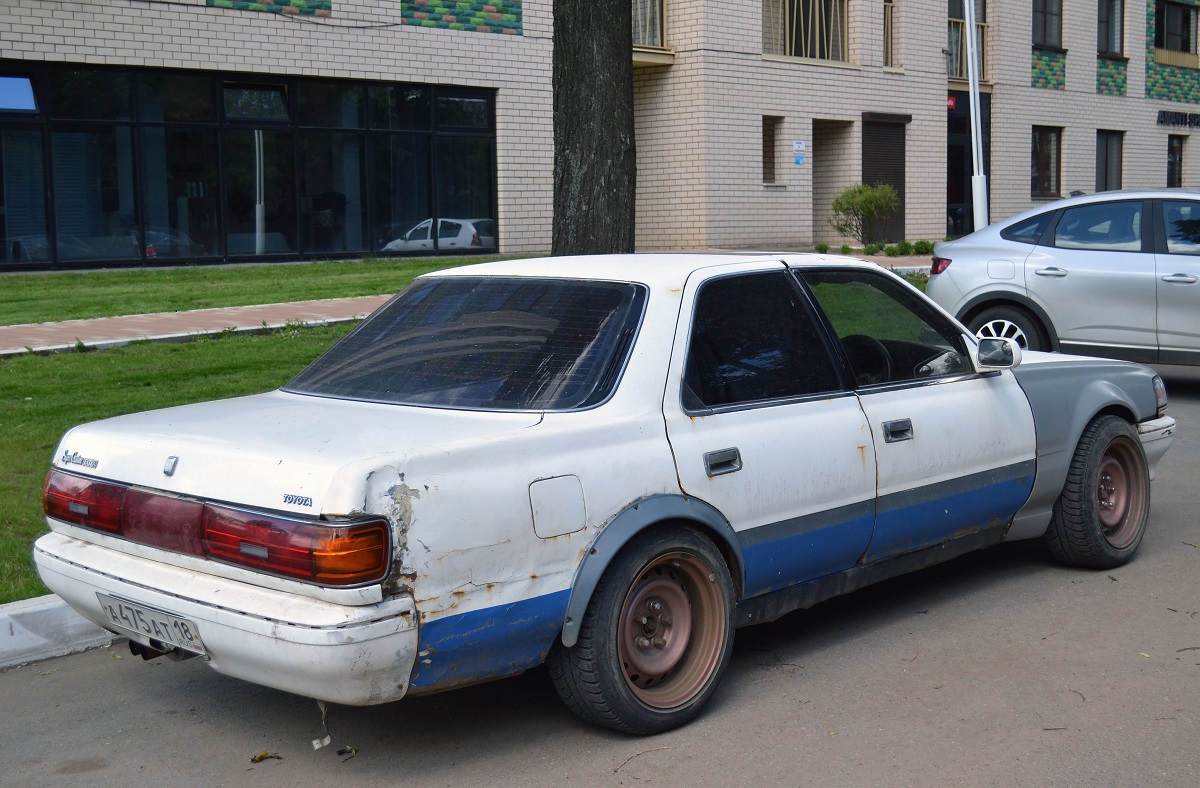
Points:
(155, 651)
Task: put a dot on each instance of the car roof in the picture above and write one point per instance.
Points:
(655, 270)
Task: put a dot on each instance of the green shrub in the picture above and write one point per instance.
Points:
(822, 248)
(891, 251)
(846, 249)
(923, 247)
(871, 249)
(904, 249)
(860, 211)
(917, 279)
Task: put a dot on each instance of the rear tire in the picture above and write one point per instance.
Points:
(655, 638)
(1010, 322)
(1101, 516)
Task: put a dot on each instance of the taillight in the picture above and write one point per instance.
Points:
(475, 240)
(338, 554)
(939, 264)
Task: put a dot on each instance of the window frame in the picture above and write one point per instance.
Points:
(1038, 157)
(1175, 146)
(1186, 33)
(1110, 27)
(1047, 24)
(1110, 157)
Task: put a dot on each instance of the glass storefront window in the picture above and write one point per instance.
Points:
(16, 95)
(400, 107)
(86, 94)
(464, 111)
(179, 193)
(176, 98)
(332, 205)
(260, 195)
(464, 183)
(244, 102)
(95, 208)
(329, 105)
(22, 197)
(399, 188)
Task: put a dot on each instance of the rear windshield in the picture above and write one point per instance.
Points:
(488, 343)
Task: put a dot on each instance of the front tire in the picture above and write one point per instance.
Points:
(1101, 516)
(1010, 322)
(656, 636)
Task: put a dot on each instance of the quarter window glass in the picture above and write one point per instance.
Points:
(752, 340)
(889, 335)
(1112, 226)
(16, 94)
(1028, 231)
(1182, 220)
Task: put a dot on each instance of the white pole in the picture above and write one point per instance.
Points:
(260, 198)
(978, 179)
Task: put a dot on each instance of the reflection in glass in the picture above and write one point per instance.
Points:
(400, 107)
(464, 182)
(94, 204)
(179, 192)
(332, 208)
(22, 197)
(330, 105)
(466, 111)
(1183, 226)
(16, 95)
(91, 95)
(260, 196)
(255, 103)
(399, 185)
(176, 97)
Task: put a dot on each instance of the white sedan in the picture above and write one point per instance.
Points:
(607, 464)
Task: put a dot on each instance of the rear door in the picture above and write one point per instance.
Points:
(1177, 265)
(954, 448)
(1096, 280)
(764, 427)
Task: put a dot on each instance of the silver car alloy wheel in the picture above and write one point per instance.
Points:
(1004, 329)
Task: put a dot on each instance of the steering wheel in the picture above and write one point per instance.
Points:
(869, 359)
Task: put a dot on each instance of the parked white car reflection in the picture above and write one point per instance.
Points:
(475, 234)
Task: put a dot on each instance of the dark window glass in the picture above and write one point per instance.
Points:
(469, 112)
(488, 343)
(255, 103)
(1182, 220)
(176, 97)
(889, 334)
(752, 340)
(400, 107)
(180, 192)
(94, 202)
(1045, 162)
(464, 177)
(1047, 23)
(1174, 27)
(332, 208)
(1109, 226)
(1028, 231)
(1175, 160)
(16, 95)
(400, 189)
(1109, 19)
(85, 94)
(260, 192)
(22, 196)
(329, 104)
(1108, 160)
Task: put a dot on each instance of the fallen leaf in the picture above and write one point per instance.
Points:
(264, 755)
(1144, 654)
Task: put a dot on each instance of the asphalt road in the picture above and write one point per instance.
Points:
(1000, 668)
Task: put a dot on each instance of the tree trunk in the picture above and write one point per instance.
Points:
(595, 166)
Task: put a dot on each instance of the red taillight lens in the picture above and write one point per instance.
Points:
(339, 554)
(939, 264)
(87, 502)
(475, 240)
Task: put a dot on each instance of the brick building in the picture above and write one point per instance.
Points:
(136, 131)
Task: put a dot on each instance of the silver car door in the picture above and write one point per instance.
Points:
(1095, 282)
(1178, 284)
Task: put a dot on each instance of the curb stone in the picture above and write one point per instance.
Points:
(44, 627)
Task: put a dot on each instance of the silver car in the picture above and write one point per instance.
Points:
(1114, 274)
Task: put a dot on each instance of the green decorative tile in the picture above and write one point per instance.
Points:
(1048, 70)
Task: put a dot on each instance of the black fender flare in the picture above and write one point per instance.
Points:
(986, 300)
(628, 523)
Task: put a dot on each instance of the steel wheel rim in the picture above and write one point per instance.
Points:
(1120, 494)
(1003, 329)
(671, 631)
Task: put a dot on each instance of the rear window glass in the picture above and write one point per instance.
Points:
(485, 343)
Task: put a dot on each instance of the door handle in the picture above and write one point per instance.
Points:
(1180, 279)
(1058, 273)
(896, 431)
(722, 461)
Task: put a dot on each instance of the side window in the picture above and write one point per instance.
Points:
(1182, 219)
(1109, 226)
(448, 229)
(1028, 231)
(888, 333)
(420, 232)
(753, 340)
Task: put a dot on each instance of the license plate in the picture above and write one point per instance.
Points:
(157, 624)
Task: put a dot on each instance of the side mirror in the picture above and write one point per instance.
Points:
(997, 353)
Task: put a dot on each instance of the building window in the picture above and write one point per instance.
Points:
(1174, 27)
(1175, 160)
(1109, 27)
(1108, 160)
(817, 29)
(16, 95)
(770, 147)
(1046, 161)
(889, 34)
(1047, 23)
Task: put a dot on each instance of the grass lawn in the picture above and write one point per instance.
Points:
(40, 298)
(42, 396)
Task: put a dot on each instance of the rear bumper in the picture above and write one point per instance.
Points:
(1156, 436)
(356, 655)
